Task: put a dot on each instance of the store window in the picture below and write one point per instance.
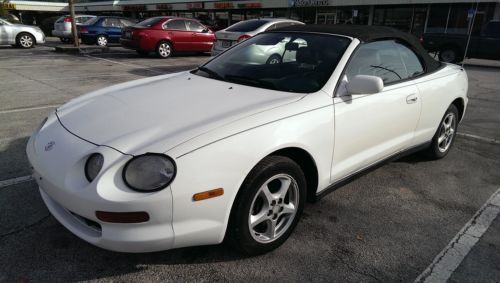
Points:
(438, 14)
(396, 17)
(458, 22)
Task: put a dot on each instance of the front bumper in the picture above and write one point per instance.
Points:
(73, 201)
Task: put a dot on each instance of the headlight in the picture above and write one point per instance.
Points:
(93, 166)
(149, 172)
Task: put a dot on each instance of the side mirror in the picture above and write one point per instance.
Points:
(364, 84)
(205, 30)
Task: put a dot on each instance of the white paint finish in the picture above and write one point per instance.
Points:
(216, 132)
(15, 181)
(369, 128)
(150, 113)
(448, 260)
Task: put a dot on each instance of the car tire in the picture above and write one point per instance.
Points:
(268, 206)
(274, 59)
(449, 54)
(25, 40)
(445, 135)
(101, 40)
(65, 40)
(164, 49)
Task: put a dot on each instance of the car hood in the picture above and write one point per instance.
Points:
(165, 110)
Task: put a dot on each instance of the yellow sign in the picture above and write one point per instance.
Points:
(9, 6)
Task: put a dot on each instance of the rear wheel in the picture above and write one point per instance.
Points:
(274, 59)
(25, 40)
(445, 134)
(164, 49)
(102, 40)
(449, 54)
(65, 40)
(268, 206)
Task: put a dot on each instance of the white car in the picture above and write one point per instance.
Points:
(233, 149)
(23, 36)
(62, 26)
(245, 29)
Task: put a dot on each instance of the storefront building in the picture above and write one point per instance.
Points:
(415, 16)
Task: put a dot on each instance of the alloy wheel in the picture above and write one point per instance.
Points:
(273, 208)
(446, 132)
(26, 41)
(164, 50)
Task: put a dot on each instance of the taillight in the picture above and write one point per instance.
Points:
(244, 37)
(67, 19)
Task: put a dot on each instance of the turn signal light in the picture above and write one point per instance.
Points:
(208, 194)
(122, 217)
(67, 19)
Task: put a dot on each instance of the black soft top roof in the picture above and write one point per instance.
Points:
(370, 34)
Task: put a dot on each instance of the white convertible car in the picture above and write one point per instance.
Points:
(234, 149)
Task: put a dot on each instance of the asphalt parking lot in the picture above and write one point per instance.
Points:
(389, 225)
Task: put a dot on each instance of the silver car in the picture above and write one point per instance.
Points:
(62, 27)
(23, 36)
(245, 29)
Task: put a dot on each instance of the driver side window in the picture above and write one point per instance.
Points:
(380, 59)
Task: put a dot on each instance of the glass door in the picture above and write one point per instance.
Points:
(326, 18)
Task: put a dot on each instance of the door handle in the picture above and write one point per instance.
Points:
(412, 98)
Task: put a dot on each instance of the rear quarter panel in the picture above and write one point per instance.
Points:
(437, 92)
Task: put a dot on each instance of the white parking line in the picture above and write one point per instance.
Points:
(125, 64)
(28, 108)
(447, 261)
(475, 137)
(15, 181)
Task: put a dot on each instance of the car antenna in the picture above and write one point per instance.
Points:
(471, 26)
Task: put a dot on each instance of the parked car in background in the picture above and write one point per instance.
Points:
(19, 35)
(245, 29)
(451, 47)
(62, 26)
(103, 30)
(165, 35)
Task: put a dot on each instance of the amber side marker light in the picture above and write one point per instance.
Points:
(122, 217)
(208, 194)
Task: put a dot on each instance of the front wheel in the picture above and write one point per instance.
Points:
(445, 134)
(268, 206)
(25, 40)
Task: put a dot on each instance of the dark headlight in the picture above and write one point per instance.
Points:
(149, 172)
(93, 166)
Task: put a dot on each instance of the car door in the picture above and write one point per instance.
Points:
(113, 29)
(490, 41)
(372, 127)
(202, 38)
(4, 32)
(178, 34)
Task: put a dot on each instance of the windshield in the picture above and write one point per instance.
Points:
(246, 26)
(284, 61)
(150, 22)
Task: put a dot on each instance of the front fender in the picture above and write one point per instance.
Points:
(226, 162)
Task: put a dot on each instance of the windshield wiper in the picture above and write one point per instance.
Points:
(251, 81)
(211, 73)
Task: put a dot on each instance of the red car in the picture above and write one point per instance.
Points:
(166, 35)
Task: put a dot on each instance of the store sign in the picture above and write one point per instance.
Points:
(163, 7)
(307, 3)
(9, 6)
(249, 5)
(194, 6)
(223, 5)
(138, 8)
